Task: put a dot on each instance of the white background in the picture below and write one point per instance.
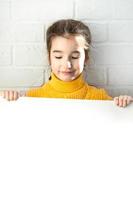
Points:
(65, 149)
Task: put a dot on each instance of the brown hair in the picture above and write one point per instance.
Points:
(67, 27)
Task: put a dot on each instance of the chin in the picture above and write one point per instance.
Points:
(65, 79)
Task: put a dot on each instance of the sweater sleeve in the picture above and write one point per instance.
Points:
(104, 95)
(33, 93)
(95, 93)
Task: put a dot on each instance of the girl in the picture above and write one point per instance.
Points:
(68, 44)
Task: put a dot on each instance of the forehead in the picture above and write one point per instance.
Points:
(67, 42)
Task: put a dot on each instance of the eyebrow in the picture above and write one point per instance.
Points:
(58, 51)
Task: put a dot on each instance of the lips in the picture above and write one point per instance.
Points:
(67, 72)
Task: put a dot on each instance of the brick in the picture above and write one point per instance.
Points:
(113, 54)
(94, 9)
(123, 9)
(6, 32)
(15, 78)
(121, 31)
(120, 76)
(5, 12)
(41, 10)
(117, 91)
(29, 32)
(22, 45)
(98, 31)
(5, 55)
(96, 77)
(29, 55)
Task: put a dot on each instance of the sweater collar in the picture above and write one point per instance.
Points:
(66, 86)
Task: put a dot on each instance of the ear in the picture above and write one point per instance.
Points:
(86, 61)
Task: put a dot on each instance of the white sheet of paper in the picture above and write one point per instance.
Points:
(65, 149)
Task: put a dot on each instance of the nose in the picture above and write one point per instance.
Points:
(69, 65)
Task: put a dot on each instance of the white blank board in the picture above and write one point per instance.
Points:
(65, 149)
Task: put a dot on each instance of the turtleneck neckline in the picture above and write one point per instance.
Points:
(66, 86)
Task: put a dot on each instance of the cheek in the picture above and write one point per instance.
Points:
(52, 61)
(81, 63)
(54, 65)
(78, 63)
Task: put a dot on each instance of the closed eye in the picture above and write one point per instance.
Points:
(75, 57)
(58, 57)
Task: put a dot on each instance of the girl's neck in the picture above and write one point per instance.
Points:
(66, 86)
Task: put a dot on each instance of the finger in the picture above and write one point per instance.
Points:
(22, 93)
(116, 100)
(129, 99)
(6, 95)
(16, 95)
(120, 101)
(11, 95)
(125, 102)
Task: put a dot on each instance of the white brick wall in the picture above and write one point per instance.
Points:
(23, 58)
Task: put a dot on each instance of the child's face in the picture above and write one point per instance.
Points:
(67, 57)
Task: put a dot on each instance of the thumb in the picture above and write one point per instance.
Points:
(22, 93)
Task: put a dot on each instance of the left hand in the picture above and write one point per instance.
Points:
(123, 100)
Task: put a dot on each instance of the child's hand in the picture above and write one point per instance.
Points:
(123, 101)
(10, 95)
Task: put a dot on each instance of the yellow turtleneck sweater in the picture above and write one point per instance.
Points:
(75, 89)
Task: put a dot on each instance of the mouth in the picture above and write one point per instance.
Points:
(67, 72)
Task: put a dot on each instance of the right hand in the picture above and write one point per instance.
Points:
(10, 95)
